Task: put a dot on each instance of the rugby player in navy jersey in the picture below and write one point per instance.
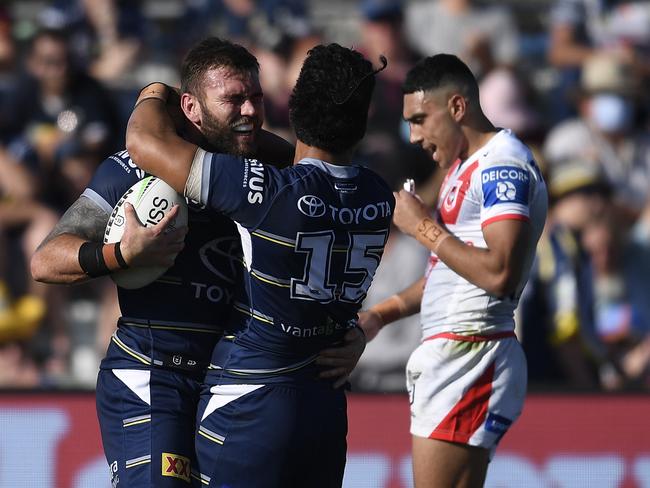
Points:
(148, 386)
(313, 235)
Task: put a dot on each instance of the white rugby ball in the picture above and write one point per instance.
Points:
(152, 198)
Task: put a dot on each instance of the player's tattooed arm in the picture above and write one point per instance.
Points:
(56, 259)
(84, 219)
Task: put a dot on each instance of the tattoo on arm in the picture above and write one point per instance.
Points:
(84, 219)
(431, 232)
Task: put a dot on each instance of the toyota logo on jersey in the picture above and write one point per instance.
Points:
(311, 206)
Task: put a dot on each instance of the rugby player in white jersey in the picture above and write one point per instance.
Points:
(467, 379)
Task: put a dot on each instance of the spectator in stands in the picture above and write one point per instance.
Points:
(106, 37)
(506, 101)
(581, 29)
(556, 321)
(621, 283)
(280, 62)
(483, 37)
(56, 111)
(24, 303)
(636, 362)
(605, 134)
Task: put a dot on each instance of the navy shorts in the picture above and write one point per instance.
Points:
(147, 419)
(272, 436)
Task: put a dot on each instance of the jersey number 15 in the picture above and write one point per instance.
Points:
(363, 253)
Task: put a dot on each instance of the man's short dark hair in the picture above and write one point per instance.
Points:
(328, 107)
(441, 71)
(212, 53)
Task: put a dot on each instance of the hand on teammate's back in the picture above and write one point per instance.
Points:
(342, 360)
(371, 323)
(157, 245)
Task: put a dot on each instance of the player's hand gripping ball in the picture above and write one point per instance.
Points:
(151, 198)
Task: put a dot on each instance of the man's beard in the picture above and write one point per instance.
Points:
(220, 136)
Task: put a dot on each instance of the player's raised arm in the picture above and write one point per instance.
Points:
(152, 141)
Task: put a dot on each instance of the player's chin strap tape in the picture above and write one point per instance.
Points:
(92, 258)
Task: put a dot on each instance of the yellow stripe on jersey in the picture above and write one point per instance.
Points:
(253, 314)
(143, 421)
(131, 352)
(271, 239)
(209, 437)
(269, 281)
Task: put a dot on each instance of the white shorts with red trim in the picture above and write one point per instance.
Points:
(466, 389)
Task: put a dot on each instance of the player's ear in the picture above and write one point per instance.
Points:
(191, 107)
(457, 105)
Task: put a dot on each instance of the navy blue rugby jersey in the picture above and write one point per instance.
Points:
(312, 236)
(182, 313)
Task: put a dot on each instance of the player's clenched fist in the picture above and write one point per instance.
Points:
(157, 245)
(409, 212)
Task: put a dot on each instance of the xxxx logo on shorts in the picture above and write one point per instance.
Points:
(176, 466)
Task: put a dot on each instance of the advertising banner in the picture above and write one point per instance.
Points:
(561, 441)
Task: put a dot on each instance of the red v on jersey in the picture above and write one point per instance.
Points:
(453, 194)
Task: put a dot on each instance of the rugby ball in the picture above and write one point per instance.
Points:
(151, 198)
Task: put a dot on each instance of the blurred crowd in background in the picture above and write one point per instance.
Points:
(569, 77)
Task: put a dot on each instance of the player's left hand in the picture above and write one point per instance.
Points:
(409, 212)
(157, 245)
(340, 361)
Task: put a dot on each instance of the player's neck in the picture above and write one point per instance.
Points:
(478, 136)
(305, 151)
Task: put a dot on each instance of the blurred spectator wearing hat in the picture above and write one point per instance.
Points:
(621, 278)
(555, 319)
(606, 133)
(482, 36)
(584, 316)
(582, 29)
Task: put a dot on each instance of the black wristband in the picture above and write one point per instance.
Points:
(118, 256)
(91, 259)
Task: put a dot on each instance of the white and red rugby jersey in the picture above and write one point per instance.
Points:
(499, 181)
